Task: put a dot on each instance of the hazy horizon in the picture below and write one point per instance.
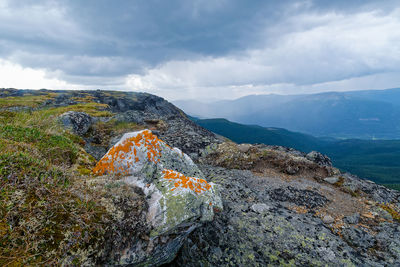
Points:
(210, 100)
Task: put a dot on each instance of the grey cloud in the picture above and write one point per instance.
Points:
(101, 41)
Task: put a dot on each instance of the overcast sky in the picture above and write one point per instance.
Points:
(202, 49)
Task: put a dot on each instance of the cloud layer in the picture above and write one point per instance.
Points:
(201, 49)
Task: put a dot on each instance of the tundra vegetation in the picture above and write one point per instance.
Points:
(47, 210)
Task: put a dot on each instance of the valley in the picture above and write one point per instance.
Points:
(373, 159)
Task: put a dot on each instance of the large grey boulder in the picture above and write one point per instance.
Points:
(77, 122)
(178, 196)
(319, 158)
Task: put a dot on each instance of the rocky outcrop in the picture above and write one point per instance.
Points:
(78, 122)
(272, 219)
(178, 196)
(148, 111)
(319, 158)
(261, 158)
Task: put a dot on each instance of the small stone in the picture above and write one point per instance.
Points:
(244, 147)
(292, 169)
(328, 219)
(352, 219)
(260, 207)
(385, 215)
(326, 253)
(331, 180)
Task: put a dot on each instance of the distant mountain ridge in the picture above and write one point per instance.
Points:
(375, 159)
(365, 114)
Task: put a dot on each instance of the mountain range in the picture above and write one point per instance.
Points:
(373, 159)
(370, 114)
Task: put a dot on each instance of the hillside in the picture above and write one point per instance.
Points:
(359, 114)
(106, 178)
(376, 160)
(241, 133)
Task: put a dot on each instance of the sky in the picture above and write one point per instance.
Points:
(200, 49)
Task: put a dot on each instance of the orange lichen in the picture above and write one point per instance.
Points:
(299, 209)
(118, 154)
(181, 181)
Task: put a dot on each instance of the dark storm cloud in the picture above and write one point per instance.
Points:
(144, 32)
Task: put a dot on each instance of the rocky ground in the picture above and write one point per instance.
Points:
(270, 219)
(280, 206)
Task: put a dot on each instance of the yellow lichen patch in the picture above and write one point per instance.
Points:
(113, 161)
(181, 181)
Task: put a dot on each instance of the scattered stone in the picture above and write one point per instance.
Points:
(307, 198)
(244, 147)
(328, 219)
(260, 207)
(292, 169)
(352, 219)
(331, 180)
(278, 236)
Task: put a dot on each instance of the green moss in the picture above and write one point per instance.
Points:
(392, 211)
(84, 171)
(26, 100)
(57, 148)
(340, 182)
(19, 165)
(92, 108)
(20, 134)
(6, 116)
(122, 126)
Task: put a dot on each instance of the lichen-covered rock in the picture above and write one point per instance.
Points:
(276, 221)
(179, 197)
(77, 122)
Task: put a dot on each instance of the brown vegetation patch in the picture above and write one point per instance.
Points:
(262, 160)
